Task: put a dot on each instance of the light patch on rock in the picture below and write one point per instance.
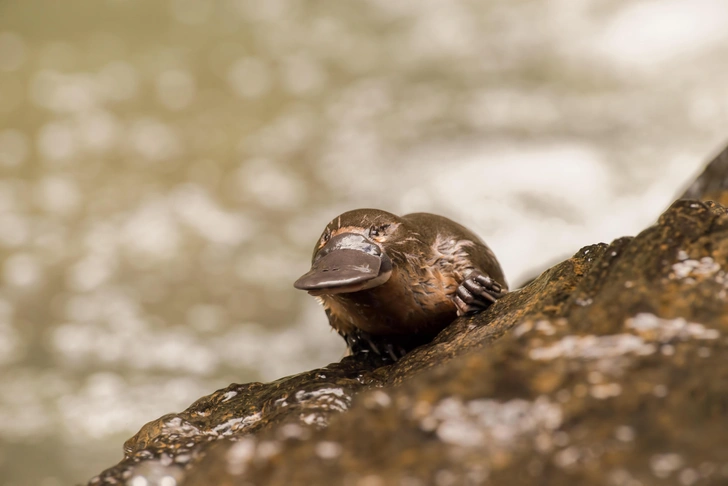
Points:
(235, 425)
(160, 472)
(606, 390)
(281, 402)
(567, 457)
(593, 347)
(326, 398)
(595, 377)
(543, 326)
(303, 395)
(624, 433)
(377, 399)
(654, 328)
(704, 267)
(267, 449)
(180, 427)
(704, 352)
(292, 431)
(328, 449)
(663, 465)
(239, 455)
(316, 419)
(621, 477)
(182, 458)
(522, 329)
(492, 423)
(688, 476)
(370, 480)
(584, 302)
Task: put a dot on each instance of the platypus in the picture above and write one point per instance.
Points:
(389, 284)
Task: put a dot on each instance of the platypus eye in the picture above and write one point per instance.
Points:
(326, 236)
(378, 230)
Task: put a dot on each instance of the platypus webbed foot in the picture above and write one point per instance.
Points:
(360, 342)
(477, 293)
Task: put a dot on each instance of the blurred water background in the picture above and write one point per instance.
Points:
(166, 166)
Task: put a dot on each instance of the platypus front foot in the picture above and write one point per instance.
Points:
(360, 342)
(476, 293)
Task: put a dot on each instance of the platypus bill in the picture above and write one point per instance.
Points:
(389, 284)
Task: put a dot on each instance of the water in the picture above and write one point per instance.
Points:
(165, 168)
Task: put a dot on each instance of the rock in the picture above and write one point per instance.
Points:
(609, 368)
(712, 183)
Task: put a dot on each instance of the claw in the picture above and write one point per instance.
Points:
(464, 295)
(390, 351)
(476, 293)
(476, 288)
(360, 342)
(372, 345)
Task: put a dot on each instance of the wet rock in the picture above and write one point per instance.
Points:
(609, 368)
(711, 184)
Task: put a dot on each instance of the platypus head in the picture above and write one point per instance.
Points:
(351, 253)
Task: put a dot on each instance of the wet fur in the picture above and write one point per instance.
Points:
(431, 257)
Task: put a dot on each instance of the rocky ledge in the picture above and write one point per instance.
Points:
(611, 368)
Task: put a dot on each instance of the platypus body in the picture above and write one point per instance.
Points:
(390, 283)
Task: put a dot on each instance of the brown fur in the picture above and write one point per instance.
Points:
(431, 257)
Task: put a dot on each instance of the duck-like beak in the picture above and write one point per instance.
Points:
(348, 263)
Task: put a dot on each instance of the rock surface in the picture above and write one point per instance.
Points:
(712, 184)
(609, 368)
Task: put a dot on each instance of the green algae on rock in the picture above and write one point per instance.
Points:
(609, 368)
